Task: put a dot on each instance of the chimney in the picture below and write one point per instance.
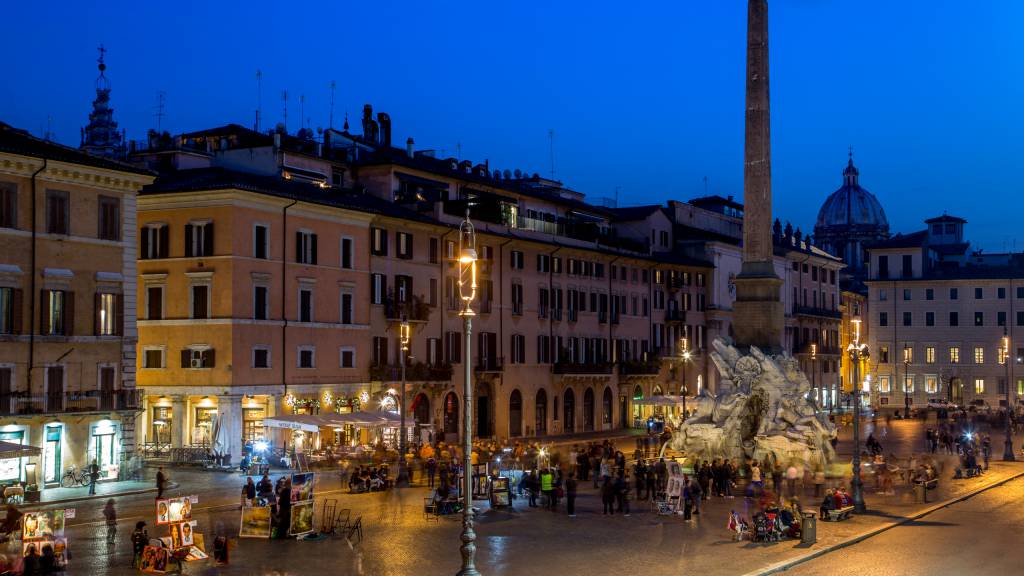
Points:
(277, 139)
(409, 147)
(385, 128)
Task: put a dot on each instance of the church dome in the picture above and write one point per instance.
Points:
(852, 206)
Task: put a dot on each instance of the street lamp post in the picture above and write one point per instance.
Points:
(814, 373)
(467, 292)
(857, 351)
(403, 469)
(1008, 448)
(684, 354)
(907, 357)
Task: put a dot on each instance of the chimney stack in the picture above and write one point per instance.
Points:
(409, 147)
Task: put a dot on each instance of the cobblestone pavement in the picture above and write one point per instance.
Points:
(400, 541)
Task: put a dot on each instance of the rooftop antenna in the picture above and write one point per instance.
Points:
(160, 110)
(617, 196)
(49, 128)
(330, 121)
(551, 150)
(284, 98)
(259, 97)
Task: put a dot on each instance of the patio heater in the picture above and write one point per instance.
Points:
(467, 293)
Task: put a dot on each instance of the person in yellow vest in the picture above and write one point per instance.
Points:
(474, 457)
(547, 481)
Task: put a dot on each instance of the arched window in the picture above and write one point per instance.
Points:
(421, 410)
(657, 391)
(588, 410)
(569, 410)
(515, 414)
(540, 425)
(606, 407)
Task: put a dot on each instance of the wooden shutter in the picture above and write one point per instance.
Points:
(383, 242)
(207, 239)
(16, 310)
(312, 248)
(144, 243)
(119, 315)
(165, 244)
(188, 241)
(69, 313)
(44, 312)
(186, 356)
(298, 246)
(209, 358)
(409, 246)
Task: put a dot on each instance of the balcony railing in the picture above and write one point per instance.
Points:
(415, 309)
(91, 401)
(488, 364)
(574, 368)
(414, 372)
(639, 368)
(814, 311)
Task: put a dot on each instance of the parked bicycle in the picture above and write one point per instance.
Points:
(72, 477)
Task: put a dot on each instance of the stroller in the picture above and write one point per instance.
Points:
(767, 527)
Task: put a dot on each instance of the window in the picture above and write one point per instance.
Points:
(154, 241)
(954, 354)
(517, 299)
(153, 358)
(908, 383)
(261, 357)
(929, 318)
(8, 205)
(380, 351)
(453, 347)
(543, 263)
(379, 242)
(260, 302)
(154, 302)
(908, 266)
(883, 354)
(1020, 318)
(307, 357)
(305, 304)
(58, 311)
(516, 260)
(432, 296)
(908, 318)
(979, 318)
(346, 307)
(883, 319)
(404, 241)
(10, 310)
(518, 349)
(954, 319)
(929, 294)
(434, 351)
(543, 349)
(1001, 318)
(883, 266)
(929, 355)
(347, 357)
(109, 218)
(305, 247)
(198, 357)
(57, 212)
(906, 293)
(108, 314)
(1020, 292)
(954, 293)
(979, 293)
(433, 251)
(884, 384)
(403, 288)
(260, 241)
(198, 239)
(1001, 293)
(883, 294)
(931, 385)
(378, 288)
(908, 355)
(1001, 354)
(200, 294)
(979, 385)
(663, 236)
(979, 355)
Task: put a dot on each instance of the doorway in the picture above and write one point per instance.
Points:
(52, 455)
(569, 406)
(451, 414)
(515, 414)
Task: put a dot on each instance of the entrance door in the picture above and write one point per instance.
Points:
(588, 410)
(483, 416)
(52, 456)
(622, 411)
(104, 448)
(10, 468)
(515, 414)
(956, 391)
(451, 414)
(569, 405)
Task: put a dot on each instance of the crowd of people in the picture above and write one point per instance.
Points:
(277, 495)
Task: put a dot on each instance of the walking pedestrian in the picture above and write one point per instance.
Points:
(161, 482)
(638, 479)
(622, 494)
(570, 495)
(111, 516)
(431, 471)
(94, 475)
(652, 479)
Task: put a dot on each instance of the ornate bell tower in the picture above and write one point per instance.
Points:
(101, 137)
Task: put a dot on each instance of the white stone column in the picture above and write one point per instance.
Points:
(177, 420)
(230, 406)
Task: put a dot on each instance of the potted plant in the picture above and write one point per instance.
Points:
(32, 493)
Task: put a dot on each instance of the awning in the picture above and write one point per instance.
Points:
(660, 401)
(304, 422)
(314, 422)
(11, 450)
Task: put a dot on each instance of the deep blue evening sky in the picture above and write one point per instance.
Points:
(647, 98)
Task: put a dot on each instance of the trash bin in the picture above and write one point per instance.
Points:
(920, 493)
(809, 528)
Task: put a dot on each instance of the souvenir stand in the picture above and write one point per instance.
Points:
(181, 544)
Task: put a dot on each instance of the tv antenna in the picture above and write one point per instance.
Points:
(160, 110)
(259, 97)
(330, 121)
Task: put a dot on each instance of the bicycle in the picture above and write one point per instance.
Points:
(72, 479)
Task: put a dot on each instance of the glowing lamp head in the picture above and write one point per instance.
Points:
(260, 446)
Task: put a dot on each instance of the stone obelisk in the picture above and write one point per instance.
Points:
(758, 311)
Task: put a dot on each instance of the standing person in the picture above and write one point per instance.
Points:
(777, 478)
(284, 506)
(986, 449)
(661, 473)
(161, 482)
(622, 494)
(652, 489)
(704, 477)
(547, 481)
(791, 477)
(431, 471)
(140, 538)
(756, 480)
(608, 497)
(110, 514)
(595, 465)
(696, 494)
(94, 475)
(570, 495)
(249, 492)
(687, 499)
(638, 479)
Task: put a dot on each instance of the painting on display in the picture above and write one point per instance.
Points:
(187, 529)
(154, 559)
(178, 510)
(255, 522)
(42, 525)
(302, 487)
(302, 518)
(162, 513)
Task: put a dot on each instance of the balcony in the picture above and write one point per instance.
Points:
(639, 368)
(415, 310)
(817, 312)
(414, 372)
(70, 402)
(487, 364)
(574, 368)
